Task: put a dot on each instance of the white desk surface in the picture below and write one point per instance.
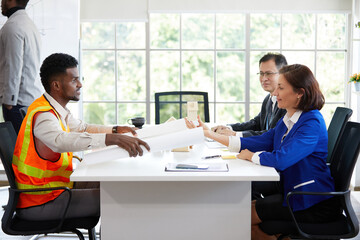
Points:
(151, 167)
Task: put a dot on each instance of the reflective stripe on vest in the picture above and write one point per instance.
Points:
(33, 172)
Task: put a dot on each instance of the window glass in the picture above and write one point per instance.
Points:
(205, 52)
(330, 75)
(165, 30)
(230, 31)
(130, 35)
(298, 31)
(255, 109)
(99, 113)
(331, 31)
(197, 31)
(306, 58)
(99, 75)
(98, 35)
(230, 76)
(164, 71)
(265, 31)
(130, 110)
(230, 113)
(198, 72)
(131, 83)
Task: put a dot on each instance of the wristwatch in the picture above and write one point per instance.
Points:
(114, 129)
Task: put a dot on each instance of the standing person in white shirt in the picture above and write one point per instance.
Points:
(19, 62)
(48, 136)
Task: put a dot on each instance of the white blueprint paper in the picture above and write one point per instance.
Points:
(168, 141)
(161, 129)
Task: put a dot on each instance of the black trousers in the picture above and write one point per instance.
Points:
(85, 202)
(13, 115)
(263, 189)
(269, 199)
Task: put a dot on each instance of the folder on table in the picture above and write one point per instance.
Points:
(212, 167)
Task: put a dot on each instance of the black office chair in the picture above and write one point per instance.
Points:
(173, 104)
(11, 223)
(335, 129)
(342, 166)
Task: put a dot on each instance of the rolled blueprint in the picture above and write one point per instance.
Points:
(161, 129)
(168, 141)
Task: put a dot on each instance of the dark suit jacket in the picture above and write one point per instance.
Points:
(257, 125)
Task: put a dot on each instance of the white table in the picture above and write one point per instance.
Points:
(139, 200)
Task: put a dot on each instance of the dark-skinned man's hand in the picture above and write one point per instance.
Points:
(130, 144)
(125, 129)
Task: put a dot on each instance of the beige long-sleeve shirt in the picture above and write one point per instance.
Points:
(82, 136)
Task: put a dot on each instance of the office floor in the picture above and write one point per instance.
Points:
(4, 196)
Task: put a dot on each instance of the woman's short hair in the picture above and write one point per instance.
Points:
(302, 79)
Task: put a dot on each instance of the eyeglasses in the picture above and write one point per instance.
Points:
(266, 74)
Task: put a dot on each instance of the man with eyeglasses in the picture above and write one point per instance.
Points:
(270, 114)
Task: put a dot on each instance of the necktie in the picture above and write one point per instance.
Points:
(269, 115)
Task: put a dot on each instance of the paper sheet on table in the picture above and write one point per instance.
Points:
(157, 143)
(213, 145)
(161, 129)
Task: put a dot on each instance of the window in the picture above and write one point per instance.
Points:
(124, 64)
(114, 70)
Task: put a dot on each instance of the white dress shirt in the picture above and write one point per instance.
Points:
(19, 60)
(82, 136)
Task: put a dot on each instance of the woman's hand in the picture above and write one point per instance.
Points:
(191, 125)
(245, 154)
(202, 124)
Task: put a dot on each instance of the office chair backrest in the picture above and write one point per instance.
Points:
(345, 156)
(336, 127)
(7, 145)
(23, 111)
(173, 104)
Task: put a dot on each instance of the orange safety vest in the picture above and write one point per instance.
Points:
(32, 171)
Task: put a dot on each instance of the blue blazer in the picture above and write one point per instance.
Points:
(300, 159)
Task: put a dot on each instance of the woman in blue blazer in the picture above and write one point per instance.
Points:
(296, 148)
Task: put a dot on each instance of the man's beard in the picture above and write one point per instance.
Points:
(74, 98)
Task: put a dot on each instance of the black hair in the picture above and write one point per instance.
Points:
(279, 59)
(54, 65)
(22, 3)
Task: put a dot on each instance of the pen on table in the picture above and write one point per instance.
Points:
(214, 156)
